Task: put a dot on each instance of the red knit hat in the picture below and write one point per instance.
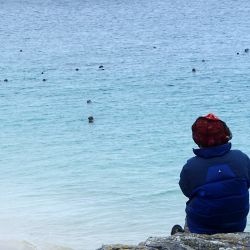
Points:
(209, 131)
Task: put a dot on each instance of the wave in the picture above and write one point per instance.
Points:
(25, 245)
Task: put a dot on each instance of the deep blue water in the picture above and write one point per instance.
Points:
(71, 183)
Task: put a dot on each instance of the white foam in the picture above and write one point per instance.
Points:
(16, 245)
(24, 245)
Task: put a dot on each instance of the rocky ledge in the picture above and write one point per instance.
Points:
(187, 241)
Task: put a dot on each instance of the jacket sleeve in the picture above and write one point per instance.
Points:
(248, 170)
(184, 182)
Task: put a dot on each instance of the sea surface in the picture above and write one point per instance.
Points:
(66, 182)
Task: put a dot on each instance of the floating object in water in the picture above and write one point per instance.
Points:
(101, 67)
(91, 119)
(89, 101)
(6, 80)
(237, 53)
(42, 73)
(44, 80)
(20, 50)
(246, 50)
(77, 69)
(193, 70)
(154, 47)
(203, 60)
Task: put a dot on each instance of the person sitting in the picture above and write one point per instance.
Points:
(216, 180)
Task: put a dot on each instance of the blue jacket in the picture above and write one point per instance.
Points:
(216, 181)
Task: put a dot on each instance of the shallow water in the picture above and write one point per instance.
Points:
(64, 181)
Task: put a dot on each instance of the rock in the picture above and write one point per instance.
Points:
(122, 247)
(188, 241)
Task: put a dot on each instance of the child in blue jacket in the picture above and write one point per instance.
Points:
(215, 180)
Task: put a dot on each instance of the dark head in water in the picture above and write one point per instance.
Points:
(44, 80)
(6, 80)
(237, 53)
(203, 60)
(91, 119)
(101, 67)
(89, 101)
(77, 69)
(246, 50)
(193, 70)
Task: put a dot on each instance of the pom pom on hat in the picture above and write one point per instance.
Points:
(212, 117)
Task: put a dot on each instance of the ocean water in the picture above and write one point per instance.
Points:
(66, 182)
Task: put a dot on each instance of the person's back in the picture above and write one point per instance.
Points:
(216, 181)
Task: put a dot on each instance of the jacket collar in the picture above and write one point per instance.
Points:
(213, 151)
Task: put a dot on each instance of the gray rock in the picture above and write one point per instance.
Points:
(122, 247)
(187, 241)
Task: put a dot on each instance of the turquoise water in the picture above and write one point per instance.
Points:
(65, 181)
